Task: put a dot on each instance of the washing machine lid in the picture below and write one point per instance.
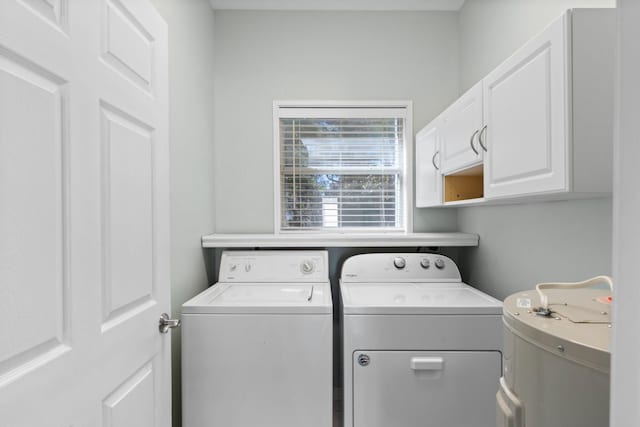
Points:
(262, 298)
(578, 328)
(417, 298)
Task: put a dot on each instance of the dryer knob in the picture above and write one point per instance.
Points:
(424, 263)
(439, 263)
(399, 263)
(364, 360)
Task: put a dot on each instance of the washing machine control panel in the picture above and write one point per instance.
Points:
(274, 266)
(307, 266)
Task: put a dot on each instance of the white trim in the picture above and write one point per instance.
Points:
(348, 109)
(408, 167)
(276, 167)
(339, 111)
(625, 346)
(344, 5)
(342, 104)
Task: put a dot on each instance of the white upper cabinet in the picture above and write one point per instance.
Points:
(428, 157)
(548, 111)
(525, 101)
(461, 126)
(539, 126)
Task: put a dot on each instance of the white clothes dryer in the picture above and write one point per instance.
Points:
(420, 348)
(257, 346)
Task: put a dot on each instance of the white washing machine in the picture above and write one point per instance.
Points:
(257, 346)
(421, 348)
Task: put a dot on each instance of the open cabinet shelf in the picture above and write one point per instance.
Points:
(465, 185)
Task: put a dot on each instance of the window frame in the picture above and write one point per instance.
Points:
(354, 109)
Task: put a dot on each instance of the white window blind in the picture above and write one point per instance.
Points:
(342, 169)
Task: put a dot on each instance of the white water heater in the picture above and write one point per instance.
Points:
(556, 356)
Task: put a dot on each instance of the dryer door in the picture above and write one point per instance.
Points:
(425, 388)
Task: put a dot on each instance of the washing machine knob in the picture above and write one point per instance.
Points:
(307, 267)
(439, 263)
(399, 263)
(424, 263)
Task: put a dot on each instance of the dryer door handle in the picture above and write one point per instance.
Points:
(427, 363)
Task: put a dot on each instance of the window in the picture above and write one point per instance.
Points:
(342, 167)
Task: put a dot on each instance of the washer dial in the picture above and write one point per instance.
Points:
(307, 266)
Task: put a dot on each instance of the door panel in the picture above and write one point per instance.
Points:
(127, 45)
(462, 123)
(520, 145)
(428, 177)
(525, 108)
(127, 197)
(33, 197)
(84, 221)
(53, 11)
(425, 389)
(132, 401)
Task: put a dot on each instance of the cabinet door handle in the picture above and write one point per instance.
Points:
(471, 142)
(480, 140)
(433, 160)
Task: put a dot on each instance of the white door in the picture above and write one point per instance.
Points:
(461, 132)
(84, 210)
(526, 107)
(428, 176)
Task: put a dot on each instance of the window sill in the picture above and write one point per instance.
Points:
(338, 240)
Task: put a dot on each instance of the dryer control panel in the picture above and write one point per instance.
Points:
(274, 266)
(399, 267)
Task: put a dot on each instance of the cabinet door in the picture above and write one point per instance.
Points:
(428, 176)
(526, 110)
(422, 388)
(462, 122)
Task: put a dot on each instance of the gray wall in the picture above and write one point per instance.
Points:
(265, 56)
(490, 30)
(521, 245)
(190, 25)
